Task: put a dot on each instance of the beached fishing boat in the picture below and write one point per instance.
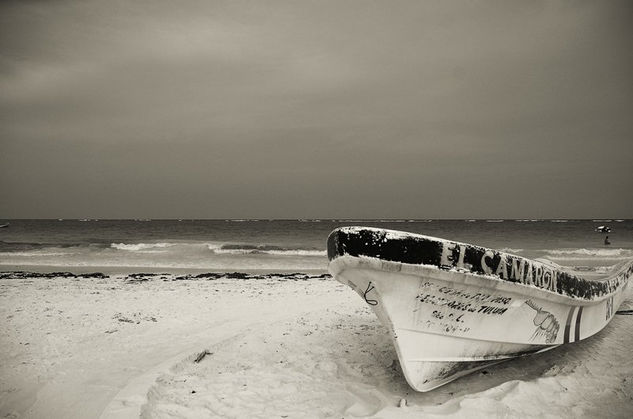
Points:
(452, 308)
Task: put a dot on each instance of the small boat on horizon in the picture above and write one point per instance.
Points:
(5, 225)
(452, 308)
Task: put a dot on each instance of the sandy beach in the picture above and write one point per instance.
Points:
(125, 346)
(178, 178)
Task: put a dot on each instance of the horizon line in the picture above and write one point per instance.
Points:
(380, 219)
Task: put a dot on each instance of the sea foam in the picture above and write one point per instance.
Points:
(140, 246)
(248, 249)
(565, 254)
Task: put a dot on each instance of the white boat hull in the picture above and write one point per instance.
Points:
(446, 322)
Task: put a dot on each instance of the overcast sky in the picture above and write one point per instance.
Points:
(316, 109)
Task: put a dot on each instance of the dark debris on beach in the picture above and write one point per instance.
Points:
(296, 276)
(146, 276)
(31, 275)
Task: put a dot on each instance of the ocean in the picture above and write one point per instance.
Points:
(125, 246)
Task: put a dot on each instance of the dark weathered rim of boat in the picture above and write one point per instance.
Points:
(417, 249)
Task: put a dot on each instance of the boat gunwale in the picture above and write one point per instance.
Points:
(565, 283)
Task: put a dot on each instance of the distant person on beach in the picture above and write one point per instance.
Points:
(606, 241)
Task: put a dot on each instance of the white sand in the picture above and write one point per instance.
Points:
(89, 348)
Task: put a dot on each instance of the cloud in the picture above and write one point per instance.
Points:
(345, 100)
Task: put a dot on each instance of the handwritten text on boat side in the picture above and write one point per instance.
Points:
(510, 268)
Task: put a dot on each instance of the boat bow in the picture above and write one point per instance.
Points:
(452, 307)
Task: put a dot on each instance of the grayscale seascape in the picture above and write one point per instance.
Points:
(170, 173)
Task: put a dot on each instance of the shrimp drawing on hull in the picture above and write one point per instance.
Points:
(546, 324)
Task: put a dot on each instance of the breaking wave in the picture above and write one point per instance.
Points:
(246, 249)
(140, 246)
(219, 248)
(32, 254)
(510, 250)
(168, 254)
(570, 254)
